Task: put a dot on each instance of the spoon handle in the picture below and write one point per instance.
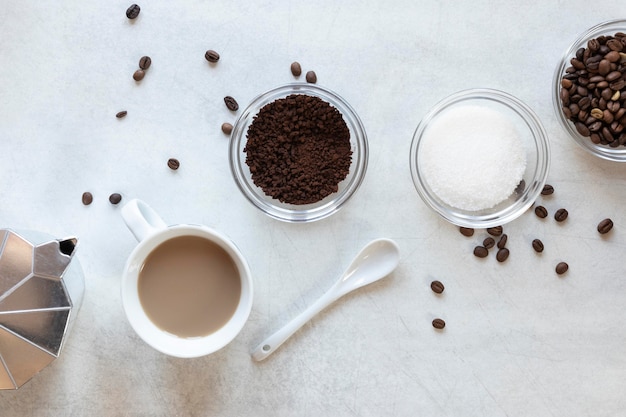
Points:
(269, 345)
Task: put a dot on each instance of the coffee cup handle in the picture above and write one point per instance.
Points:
(141, 219)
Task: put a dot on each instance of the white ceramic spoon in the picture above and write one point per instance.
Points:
(375, 261)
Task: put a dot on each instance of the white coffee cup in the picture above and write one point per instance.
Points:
(151, 231)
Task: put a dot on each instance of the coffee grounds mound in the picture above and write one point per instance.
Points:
(298, 149)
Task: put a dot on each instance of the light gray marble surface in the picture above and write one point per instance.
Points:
(519, 340)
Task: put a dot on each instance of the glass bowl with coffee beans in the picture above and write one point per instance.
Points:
(589, 90)
(298, 152)
(479, 158)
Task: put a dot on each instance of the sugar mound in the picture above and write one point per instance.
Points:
(472, 157)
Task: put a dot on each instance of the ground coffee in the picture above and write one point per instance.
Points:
(298, 149)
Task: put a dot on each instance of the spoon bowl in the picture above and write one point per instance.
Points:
(375, 261)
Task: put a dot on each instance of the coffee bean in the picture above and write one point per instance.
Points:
(489, 242)
(145, 62)
(560, 215)
(227, 128)
(437, 287)
(121, 114)
(604, 67)
(311, 77)
(296, 69)
(481, 252)
(439, 324)
(502, 241)
(615, 45)
(582, 129)
(231, 103)
(541, 212)
(173, 164)
(547, 190)
(597, 113)
(502, 255)
(613, 75)
(537, 245)
(138, 75)
(133, 11)
(87, 198)
(612, 56)
(495, 231)
(115, 198)
(466, 231)
(605, 226)
(211, 56)
(561, 268)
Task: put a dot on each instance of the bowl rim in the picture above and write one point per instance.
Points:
(601, 151)
(466, 218)
(290, 212)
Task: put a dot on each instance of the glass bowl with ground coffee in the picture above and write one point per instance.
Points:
(589, 90)
(479, 158)
(298, 152)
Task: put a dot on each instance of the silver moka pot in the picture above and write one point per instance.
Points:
(41, 289)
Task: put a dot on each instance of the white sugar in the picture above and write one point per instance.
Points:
(472, 157)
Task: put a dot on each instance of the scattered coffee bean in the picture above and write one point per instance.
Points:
(173, 164)
(495, 231)
(466, 231)
(437, 287)
(547, 190)
(537, 245)
(481, 252)
(145, 62)
(296, 69)
(521, 186)
(489, 242)
(560, 215)
(541, 212)
(211, 56)
(311, 77)
(121, 114)
(439, 324)
(502, 241)
(605, 226)
(231, 103)
(138, 75)
(502, 255)
(561, 268)
(115, 198)
(227, 128)
(87, 198)
(133, 11)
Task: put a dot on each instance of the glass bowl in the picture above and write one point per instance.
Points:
(295, 212)
(533, 139)
(603, 151)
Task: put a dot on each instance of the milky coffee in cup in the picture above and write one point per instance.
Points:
(189, 286)
(186, 289)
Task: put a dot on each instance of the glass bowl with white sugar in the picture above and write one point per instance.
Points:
(480, 158)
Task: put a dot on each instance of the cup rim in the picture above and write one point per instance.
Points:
(489, 218)
(601, 151)
(162, 341)
(290, 212)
